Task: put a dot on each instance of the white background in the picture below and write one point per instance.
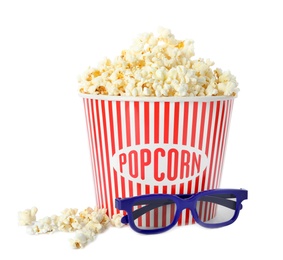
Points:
(44, 156)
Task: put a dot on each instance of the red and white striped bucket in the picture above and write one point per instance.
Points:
(148, 145)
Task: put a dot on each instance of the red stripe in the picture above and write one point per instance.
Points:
(91, 147)
(146, 141)
(97, 173)
(185, 123)
(187, 211)
(164, 189)
(156, 211)
(213, 143)
(184, 142)
(137, 122)
(109, 184)
(225, 135)
(181, 191)
(199, 210)
(203, 113)
(219, 151)
(139, 189)
(194, 123)
(175, 133)
(176, 122)
(193, 137)
(111, 123)
(172, 211)
(146, 123)
(155, 217)
(93, 154)
(101, 137)
(139, 219)
(147, 216)
(128, 138)
(156, 122)
(209, 210)
(197, 184)
(112, 133)
(120, 144)
(207, 143)
(206, 211)
(164, 213)
(166, 121)
(119, 124)
(128, 123)
(131, 188)
(137, 135)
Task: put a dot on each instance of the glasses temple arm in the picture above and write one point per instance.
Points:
(220, 201)
(153, 204)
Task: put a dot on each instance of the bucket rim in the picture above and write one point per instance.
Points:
(156, 99)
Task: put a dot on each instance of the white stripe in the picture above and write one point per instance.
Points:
(142, 139)
(221, 146)
(95, 155)
(108, 171)
(152, 117)
(198, 137)
(180, 134)
(133, 123)
(108, 132)
(225, 137)
(210, 144)
(100, 145)
(116, 147)
(124, 143)
(91, 145)
(119, 180)
(216, 153)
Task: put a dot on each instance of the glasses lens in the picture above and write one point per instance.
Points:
(216, 208)
(154, 213)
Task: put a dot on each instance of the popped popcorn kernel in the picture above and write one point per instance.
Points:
(68, 221)
(85, 215)
(79, 241)
(158, 65)
(27, 217)
(116, 220)
(85, 225)
(42, 226)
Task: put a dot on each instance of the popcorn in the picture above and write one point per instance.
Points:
(94, 227)
(43, 226)
(27, 217)
(68, 221)
(85, 224)
(116, 220)
(158, 66)
(79, 241)
(99, 216)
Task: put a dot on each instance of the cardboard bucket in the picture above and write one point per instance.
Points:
(145, 145)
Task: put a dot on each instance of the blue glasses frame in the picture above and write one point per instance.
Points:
(182, 201)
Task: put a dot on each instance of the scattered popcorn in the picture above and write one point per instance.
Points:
(42, 226)
(159, 66)
(85, 224)
(27, 217)
(85, 215)
(116, 220)
(94, 227)
(68, 221)
(100, 216)
(79, 241)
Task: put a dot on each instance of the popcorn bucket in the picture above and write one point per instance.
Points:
(145, 145)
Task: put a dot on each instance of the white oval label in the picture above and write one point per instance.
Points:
(156, 164)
